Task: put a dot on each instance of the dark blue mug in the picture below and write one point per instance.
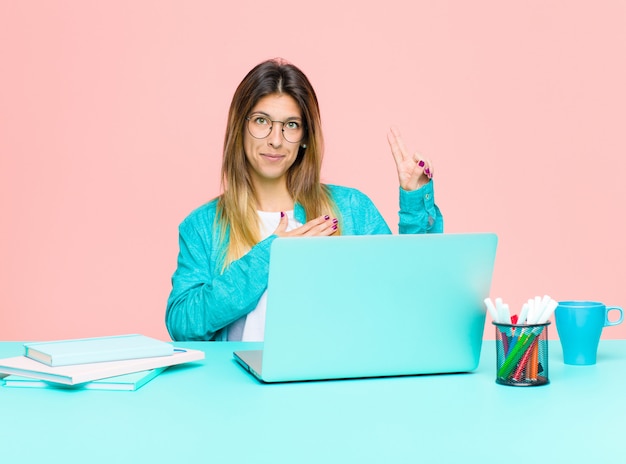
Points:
(579, 325)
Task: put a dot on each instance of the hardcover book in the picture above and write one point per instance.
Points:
(99, 349)
(80, 373)
(126, 382)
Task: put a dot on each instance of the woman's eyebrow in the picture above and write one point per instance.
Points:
(288, 118)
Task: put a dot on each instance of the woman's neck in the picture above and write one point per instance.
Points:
(273, 197)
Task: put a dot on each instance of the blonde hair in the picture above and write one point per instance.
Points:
(237, 217)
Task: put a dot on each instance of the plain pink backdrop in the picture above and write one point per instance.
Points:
(112, 117)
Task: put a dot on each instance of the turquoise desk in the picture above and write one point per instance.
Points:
(213, 411)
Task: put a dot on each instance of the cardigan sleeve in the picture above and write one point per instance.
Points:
(418, 212)
(203, 299)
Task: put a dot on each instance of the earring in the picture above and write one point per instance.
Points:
(303, 145)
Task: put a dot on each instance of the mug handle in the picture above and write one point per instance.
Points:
(607, 322)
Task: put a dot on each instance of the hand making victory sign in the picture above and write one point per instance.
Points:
(413, 171)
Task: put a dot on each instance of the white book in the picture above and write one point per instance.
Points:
(80, 373)
(126, 382)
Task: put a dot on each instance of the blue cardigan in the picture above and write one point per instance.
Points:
(204, 301)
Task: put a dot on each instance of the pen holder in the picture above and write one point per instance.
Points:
(522, 354)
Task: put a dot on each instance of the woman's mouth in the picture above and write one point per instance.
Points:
(272, 156)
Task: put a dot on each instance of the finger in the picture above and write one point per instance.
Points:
(425, 165)
(428, 169)
(308, 228)
(333, 225)
(418, 159)
(329, 227)
(398, 150)
(318, 221)
(282, 224)
(323, 225)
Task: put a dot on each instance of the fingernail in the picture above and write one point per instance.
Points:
(335, 220)
(335, 227)
(421, 164)
(282, 214)
(427, 171)
(327, 217)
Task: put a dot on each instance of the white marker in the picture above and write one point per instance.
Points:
(504, 314)
(523, 314)
(531, 311)
(547, 312)
(492, 310)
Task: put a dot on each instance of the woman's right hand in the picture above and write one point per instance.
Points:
(320, 226)
(413, 171)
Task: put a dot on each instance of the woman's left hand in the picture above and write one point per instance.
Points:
(413, 170)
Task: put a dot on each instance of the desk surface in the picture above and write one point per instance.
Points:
(215, 411)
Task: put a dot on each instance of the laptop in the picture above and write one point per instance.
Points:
(373, 306)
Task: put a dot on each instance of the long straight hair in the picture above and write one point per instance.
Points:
(237, 206)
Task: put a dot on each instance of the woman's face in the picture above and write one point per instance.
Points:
(271, 157)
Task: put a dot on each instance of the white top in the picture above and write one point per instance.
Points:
(251, 327)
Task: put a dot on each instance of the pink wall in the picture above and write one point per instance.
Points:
(112, 117)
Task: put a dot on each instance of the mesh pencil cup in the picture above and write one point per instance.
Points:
(522, 354)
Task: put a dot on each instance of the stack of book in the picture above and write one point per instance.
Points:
(123, 362)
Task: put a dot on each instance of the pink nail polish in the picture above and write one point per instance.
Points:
(282, 214)
(421, 164)
(335, 227)
(327, 217)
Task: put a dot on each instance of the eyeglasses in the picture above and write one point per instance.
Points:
(260, 126)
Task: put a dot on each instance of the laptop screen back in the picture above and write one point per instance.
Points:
(378, 305)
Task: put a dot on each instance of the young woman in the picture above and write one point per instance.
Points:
(271, 188)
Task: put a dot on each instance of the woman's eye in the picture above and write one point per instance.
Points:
(261, 121)
(293, 125)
